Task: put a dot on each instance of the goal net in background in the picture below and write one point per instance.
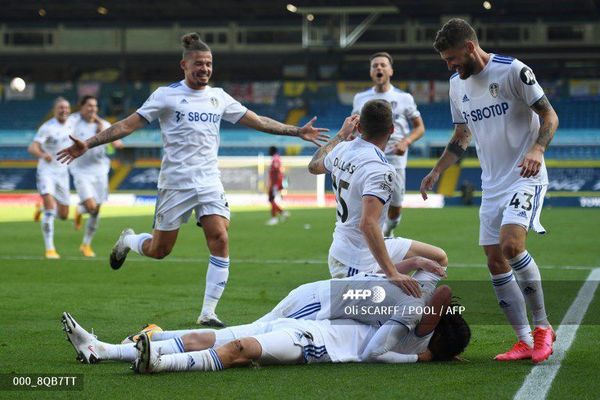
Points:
(246, 179)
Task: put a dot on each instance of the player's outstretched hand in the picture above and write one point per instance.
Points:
(531, 164)
(428, 182)
(431, 266)
(311, 134)
(348, 129)
(407, 284)
(72, 152)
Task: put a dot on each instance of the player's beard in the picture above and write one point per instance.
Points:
(468, 68)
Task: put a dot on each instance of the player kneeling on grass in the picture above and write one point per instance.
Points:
(402, 338)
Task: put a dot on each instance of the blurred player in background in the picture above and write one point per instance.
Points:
(363, 182)
(90, 171)
(190, 113)
(52, 176)
(498, 100)
(275, 186)
(405, 114)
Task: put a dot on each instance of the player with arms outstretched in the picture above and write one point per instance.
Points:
(190, 113)
(364, 181)
(498, 100)
(52, 176)
(404, 111)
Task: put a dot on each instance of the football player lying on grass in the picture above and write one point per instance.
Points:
(404, 337)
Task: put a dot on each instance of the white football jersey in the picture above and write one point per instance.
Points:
(495, 105)
(94, 161)
(189, 122)
(345, 341)
(358, 168)
(53, 137)
(404, 109)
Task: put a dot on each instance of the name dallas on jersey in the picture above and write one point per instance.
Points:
(344, 166)
(495, 110)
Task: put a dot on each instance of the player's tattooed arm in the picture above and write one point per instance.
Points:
(317, 163)
(117, 131)
(532, 162)
(549, 124)
(454, 151)
(268, 125)
(460, 141)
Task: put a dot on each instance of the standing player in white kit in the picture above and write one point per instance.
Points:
(498, 100)
(404, 111)
(52, 176)
(190, 113)
(90, 171)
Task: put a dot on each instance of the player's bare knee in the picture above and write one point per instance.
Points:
(193, 342)
(63, 215)
(218, 241)
(511, 248)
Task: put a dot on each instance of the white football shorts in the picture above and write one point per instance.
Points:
(520, 205)
(90, 186)
(397, 248)
(174, 206)
(54, 184)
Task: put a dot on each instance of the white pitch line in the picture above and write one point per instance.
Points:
(265, 261)
(539, 381)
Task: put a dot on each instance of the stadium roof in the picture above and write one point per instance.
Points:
(159, 11)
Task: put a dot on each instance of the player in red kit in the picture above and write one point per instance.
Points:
(274, 186)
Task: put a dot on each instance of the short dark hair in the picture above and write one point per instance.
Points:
(382, 54)
(376, 118)
(273, 150)
(454, 34)
(85, 98)
(192, 42)
(450, 337)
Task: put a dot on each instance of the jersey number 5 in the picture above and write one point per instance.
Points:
(338, 190)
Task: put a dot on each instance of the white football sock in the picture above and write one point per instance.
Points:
(389, 225)
(135, 242)
(216, 279)
(81, 209)
(116, 352)
(512, 303)
(90, 228)
(48, 227)
(205, 360)
(529, 279)
(170, 346)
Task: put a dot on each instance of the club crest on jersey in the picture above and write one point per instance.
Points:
(394, 104)
(214, 102)
(494, 87)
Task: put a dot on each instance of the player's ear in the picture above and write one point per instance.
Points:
(182, 64)
(391, 130)
(358, 128)
(470, 45)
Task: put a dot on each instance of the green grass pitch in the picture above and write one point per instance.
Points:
(267, 262)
